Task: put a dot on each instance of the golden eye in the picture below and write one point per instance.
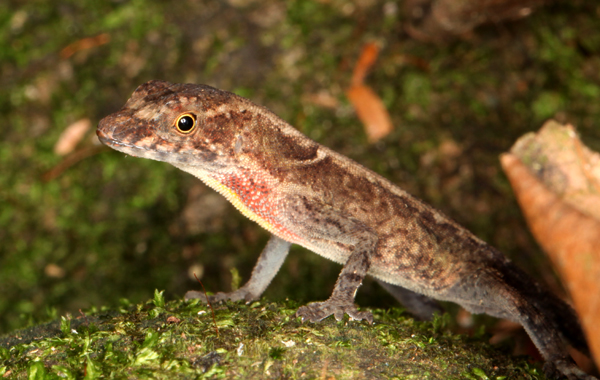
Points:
(185, 122)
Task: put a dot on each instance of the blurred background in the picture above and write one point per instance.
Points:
(82, 225)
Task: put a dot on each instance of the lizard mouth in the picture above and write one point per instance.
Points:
(116, 132)
(121, 132)
(108, 140)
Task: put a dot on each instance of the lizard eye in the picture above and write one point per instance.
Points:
(185, 123)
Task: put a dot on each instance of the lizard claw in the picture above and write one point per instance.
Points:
(317, 311)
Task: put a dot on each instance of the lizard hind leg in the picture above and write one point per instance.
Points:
(421, 306)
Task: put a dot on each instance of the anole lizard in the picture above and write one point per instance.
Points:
(304, 193)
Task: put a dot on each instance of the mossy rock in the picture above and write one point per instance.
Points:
(261, 340)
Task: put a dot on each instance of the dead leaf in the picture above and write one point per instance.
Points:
(370, 111)
(54, 271)
(83, 44)
(555, 178)
(465, 319)
(367, 58)
(368, 105)
(71, 136)
(568, 168)
(322, 99)
(439, 21)
(411, 60)
(173, 319)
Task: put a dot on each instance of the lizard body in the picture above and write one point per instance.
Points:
(304, 193)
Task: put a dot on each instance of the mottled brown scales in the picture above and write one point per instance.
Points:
(306, 194)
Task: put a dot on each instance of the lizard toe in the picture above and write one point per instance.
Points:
(312, 312)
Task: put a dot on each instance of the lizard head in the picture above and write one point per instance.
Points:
(182, 124)
(200, 128)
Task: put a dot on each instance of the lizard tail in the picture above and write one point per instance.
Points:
(558, 313)
(567, 321)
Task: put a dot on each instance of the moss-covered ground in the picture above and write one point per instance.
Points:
(86, 230)
(176, 340)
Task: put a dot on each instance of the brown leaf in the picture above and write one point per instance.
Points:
(368, 105)
(71, 136)
(54, 271)
(564, 165)
(371, 111)
(322, 99)
(367, 58)
(555, 178)
(173, 319)
(83, 44)
(441, 20)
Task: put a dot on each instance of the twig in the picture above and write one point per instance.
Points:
(209, 305)
(84, 316)
(71, 160)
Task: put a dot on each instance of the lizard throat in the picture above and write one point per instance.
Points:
(254, 199)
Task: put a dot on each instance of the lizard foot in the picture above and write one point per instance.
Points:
(565, 368)
(238, 295)
(317, 311)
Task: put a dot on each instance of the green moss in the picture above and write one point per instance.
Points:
(266, 340)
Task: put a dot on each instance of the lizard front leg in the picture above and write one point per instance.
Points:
(267, 266)
(334, 235)
(342, 298)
